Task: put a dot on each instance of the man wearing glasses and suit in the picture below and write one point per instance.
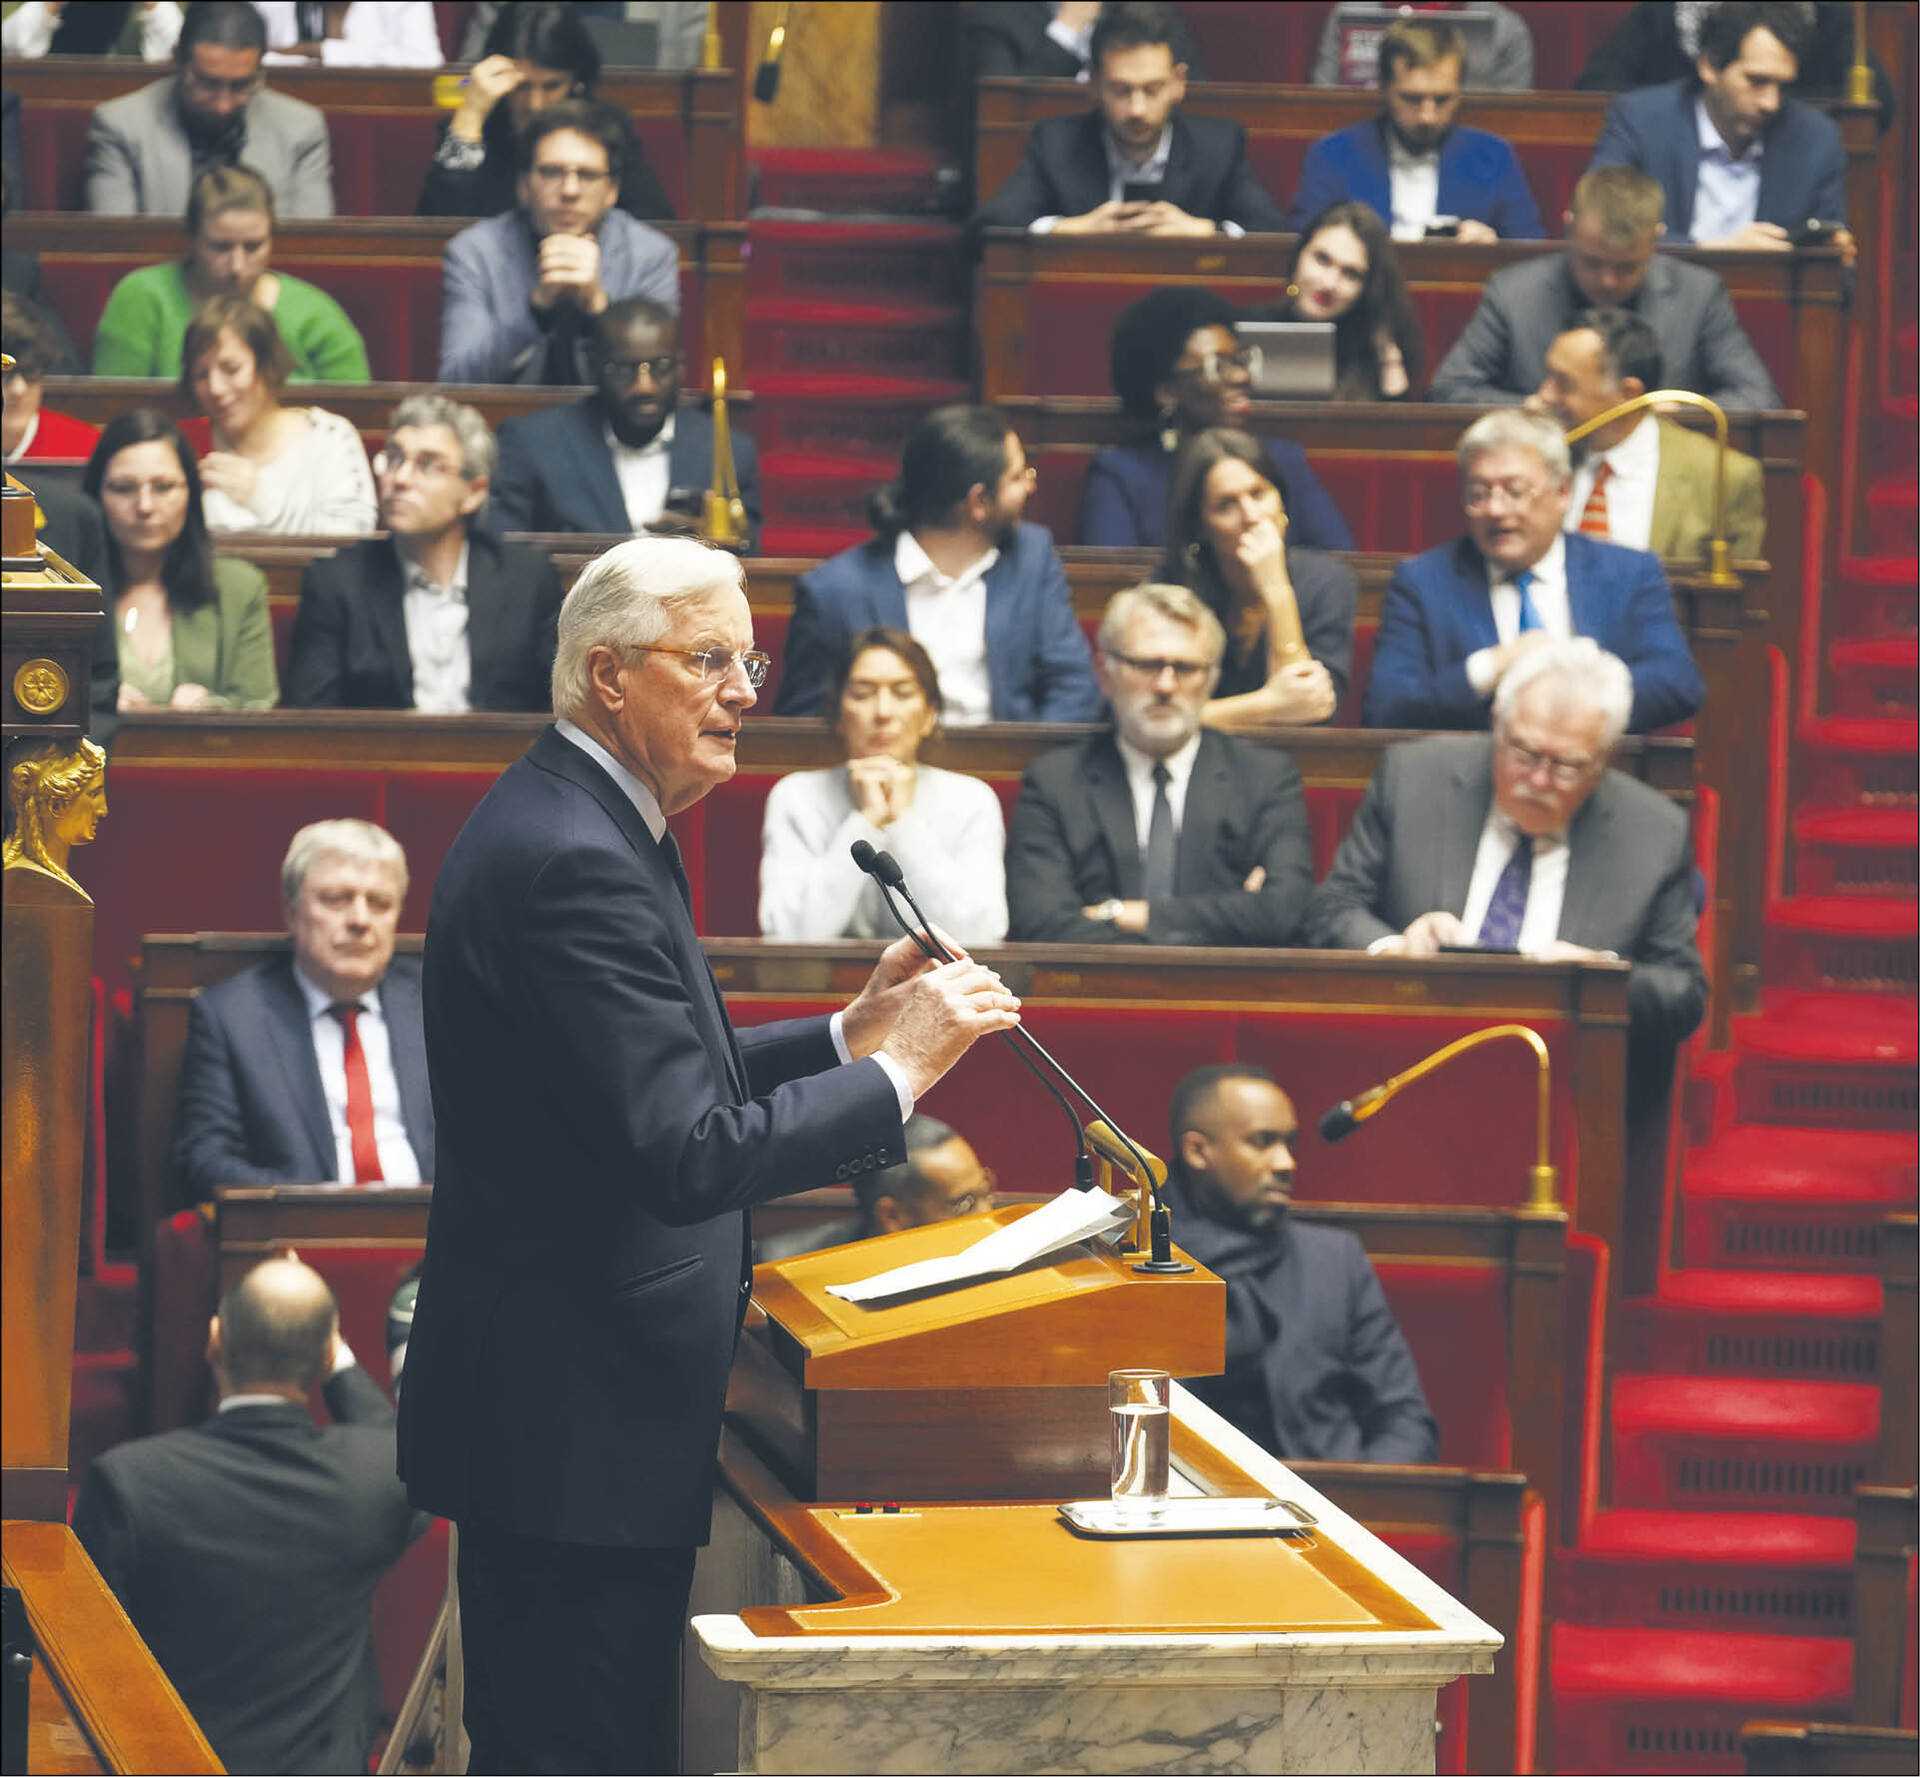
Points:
(1160, 831)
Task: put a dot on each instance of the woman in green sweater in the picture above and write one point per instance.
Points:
(229, 250)
(192, 632)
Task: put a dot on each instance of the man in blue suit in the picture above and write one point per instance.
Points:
(604, 1131)
(619, 460)
(1741, 163)
(1456, 618)
(1317, 1367)
(955, 567)
(312, 1068)
(1414, 164)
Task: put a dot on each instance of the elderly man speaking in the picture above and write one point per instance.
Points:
(603, 1130)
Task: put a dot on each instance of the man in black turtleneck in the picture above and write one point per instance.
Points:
(1317, 1369)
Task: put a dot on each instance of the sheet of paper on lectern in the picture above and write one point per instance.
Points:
(1070, 1218)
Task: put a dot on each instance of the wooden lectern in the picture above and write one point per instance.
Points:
(991, 1390)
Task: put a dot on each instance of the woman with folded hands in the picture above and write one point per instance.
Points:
(297, 471)
(191, 629)
(945, 830)
(1287, 611)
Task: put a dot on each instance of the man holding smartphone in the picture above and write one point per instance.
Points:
(1135, 165)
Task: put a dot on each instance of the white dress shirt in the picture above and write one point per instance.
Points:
(1414, 180)
(1726, 196)
(1546, 892)
(436, 619)
(374, 34)
(948, 618)
(644, 474)
(1635, 462)
(26, 440)
(1548, 593)
(28, 31)
(398, 1163)
(648, 806)
(1140, 782)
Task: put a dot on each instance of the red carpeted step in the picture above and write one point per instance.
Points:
(1855, 851)
(895, 181)
(810, 540)
(1814, 1327)
(1845, 1059)
(808, 492)
(1726, 1444)
(1674, 1701)
(858, 262)
(842, 415)
(1861, 759)
(1891, 504)
(924, 341)
(1780, 1572)
(1842, 943)
(1874, 675)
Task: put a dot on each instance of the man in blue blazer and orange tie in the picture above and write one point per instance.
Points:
(1414, 163)
(954, 565)
(1459, 616)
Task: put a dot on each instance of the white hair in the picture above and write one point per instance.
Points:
(1176, 603)
(360, 842)
(1582, 672)
(625, 599)
(1511, 428)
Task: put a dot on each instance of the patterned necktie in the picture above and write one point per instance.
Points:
(1594, 519)
(366, 1151)
(1156, 862)
(1500, 930)
(1529, 617)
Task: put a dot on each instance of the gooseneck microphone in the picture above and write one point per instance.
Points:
(885, 869)
(1347, 1116)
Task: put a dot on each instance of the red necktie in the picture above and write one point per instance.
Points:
(1593, 517)
(366, 1151)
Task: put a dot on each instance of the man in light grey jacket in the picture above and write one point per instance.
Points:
(523, 289)
(145, 150)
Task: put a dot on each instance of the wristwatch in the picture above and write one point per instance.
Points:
(1109, 910)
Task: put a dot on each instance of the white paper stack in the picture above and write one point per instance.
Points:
(1069, 1219)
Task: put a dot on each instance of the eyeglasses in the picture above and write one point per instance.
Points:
(587, 178)
(980, 1197)
(1185, 672)
(1564, 772)
(1216, 368)
(624, 370)
(1479, 496)
(391, 462)
(715, 664)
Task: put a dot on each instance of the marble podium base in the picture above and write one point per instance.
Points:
(1269, 1701)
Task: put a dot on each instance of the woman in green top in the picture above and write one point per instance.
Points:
(192, 632)
(229, 248)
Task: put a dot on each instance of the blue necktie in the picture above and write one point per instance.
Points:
(1529, 617)
(1500, 930)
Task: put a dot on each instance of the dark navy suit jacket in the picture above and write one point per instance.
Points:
(1039, 668)
(252, 1110)
(1803, 171)
(556, 473)
(1317, 1367)
(1124, 505)
(602, 1133)
(1480, 179)
(1438, 610)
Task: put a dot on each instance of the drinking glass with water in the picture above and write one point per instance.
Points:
(1141, 1424)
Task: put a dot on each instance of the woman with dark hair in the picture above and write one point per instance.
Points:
(945, 829)
(1346, 271)
(229, 253)
(536, 55)
(191, 629)
(300, 471)
(1229, 540)
(1178, 369)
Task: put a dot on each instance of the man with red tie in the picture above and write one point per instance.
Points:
(312, 1068)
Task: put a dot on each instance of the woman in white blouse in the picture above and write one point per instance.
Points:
(298, 471)
(946, 830)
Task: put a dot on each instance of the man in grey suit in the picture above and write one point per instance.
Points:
(145, 150)
(1160, 831)
(312, 1068)
(1613, 230)
(522, 290)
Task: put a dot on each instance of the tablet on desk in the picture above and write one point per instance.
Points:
(1289, 360)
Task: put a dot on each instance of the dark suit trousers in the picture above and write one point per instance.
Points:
(572, 1653)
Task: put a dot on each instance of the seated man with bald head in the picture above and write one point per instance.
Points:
(1317, 1368)
(246, 1550)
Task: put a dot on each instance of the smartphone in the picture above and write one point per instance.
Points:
(1443, 228)
(1140, 191)
(1814, 233)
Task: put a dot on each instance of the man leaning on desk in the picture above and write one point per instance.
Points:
(312, 1067)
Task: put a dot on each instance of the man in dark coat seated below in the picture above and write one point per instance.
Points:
(1317, 1368)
